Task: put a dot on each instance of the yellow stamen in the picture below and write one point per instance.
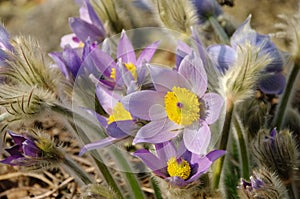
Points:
(119, 113)
(131, 68)
(81, 45)
(182, 106)
(180, 168)
(113, 74)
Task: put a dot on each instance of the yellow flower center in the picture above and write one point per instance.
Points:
(113, 74)
(180, 168)
(119, 113)
(131, 68)
(182, 106)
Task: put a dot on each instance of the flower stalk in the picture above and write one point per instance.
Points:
(217, 169)
(219, 30)
(242, 147)
(73, 167)
(285, 98)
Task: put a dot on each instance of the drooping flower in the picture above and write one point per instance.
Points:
(178, 104)
(32, 151)
(272, 80)
(179, 167)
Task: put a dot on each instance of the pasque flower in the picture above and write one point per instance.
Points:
(179, 103)
(117, 79)
(32, 151)
(178, 166)
(272, 80)
(125, 74)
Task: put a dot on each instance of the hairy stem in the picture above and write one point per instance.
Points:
(223, 144)
(219, 30)
(285, 98)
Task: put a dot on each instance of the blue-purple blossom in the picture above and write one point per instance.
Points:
(178, 166)
(178, 104)
(272, 80)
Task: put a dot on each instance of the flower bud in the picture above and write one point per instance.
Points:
(263, 184)
(277, 152)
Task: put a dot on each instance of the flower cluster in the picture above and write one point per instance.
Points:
(185, 106)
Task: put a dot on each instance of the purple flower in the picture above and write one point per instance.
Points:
(70, 60)
(128, 72)
(206, 9)
(177, 166)
(178, 104)
(88, 26)
(272, 80)
(31, 151)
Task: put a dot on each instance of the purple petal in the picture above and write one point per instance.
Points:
(18, 139)
(272, 83)
(203, 166)
(151, 161)
(222, 56)
(144, 104)
(177, 181)
(214, 155)
(147, 54)
(11, 160)
(107, 98)
(70, 40)
(165, 150)
(97, 145)
(157, 131)
(30, 149)
(213, 105)
(165, 79)
(192, 69)
(121, 129)
(14, 150)
(182, 50)
(94, 18)
(84, 30)
(125, 50)
(200, 48)
(203, 163)
(57, 57)
(100, 60)
(197, 140)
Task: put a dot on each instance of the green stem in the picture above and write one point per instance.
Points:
(290, 189)
(219, 30)
(282, 106)
(99, 162)
(217, 170)
(243, 149)
(77, 170)
(157, 191)
(129, 175)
